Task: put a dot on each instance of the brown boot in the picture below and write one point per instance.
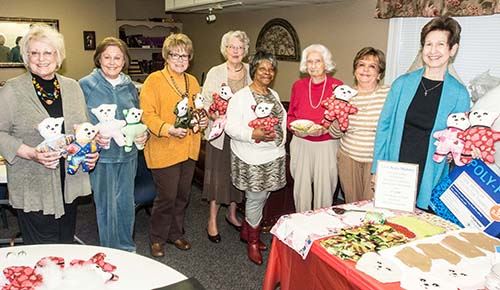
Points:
(253, 250)
(244, 235)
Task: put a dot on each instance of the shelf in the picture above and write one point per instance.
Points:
(145, 48)
(149, 24)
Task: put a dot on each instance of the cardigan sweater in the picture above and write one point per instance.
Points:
(32, 187)
(454, 98)
(300, 105)
(158, 100)
(98, 91)
(216, 76)
(239, 114)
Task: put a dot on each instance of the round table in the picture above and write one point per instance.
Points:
(135, 272)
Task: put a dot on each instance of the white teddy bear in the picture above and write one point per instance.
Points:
(133, 128)
(54, 139)
(183, 114)
(109, 126)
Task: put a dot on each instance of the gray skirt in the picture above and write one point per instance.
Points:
(269, 176)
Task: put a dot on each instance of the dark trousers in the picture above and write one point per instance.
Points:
(38, 228)
(173, 185)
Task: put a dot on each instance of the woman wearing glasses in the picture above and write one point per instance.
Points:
(43, 195)
(217, 186)
(173, 149)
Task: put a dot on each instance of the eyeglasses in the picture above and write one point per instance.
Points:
(235, 47)
(39, 54)
(176, 56)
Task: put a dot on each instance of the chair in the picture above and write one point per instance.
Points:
(144, 188)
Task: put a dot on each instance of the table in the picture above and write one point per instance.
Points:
(320, 270)
(3, 173)
(135, 272)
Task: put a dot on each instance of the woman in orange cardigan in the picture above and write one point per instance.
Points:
(173, 148)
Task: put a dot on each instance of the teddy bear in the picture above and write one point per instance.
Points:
(182, 113)
(133, 128)
(480, 136)
(447, 140)
(54, 140)
(198, 113)
(219, 107)
(84, 144)
(264, 119)
(338, 107)
(109, 126)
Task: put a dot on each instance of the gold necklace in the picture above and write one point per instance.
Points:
(174, 86)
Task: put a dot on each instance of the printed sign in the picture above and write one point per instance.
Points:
(396, 185)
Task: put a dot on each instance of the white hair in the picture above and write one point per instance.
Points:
(47, 34)
(238, 34)
(321, 49)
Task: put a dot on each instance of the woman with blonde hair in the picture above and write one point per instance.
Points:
(39, 189)
(171, 151)
(217, 186)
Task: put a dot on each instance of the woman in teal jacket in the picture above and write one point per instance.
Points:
(419, 104)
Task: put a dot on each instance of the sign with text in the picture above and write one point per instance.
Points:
(396, 185)
(470, 197)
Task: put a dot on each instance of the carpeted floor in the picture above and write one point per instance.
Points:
(217, 266)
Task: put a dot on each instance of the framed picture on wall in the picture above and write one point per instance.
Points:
(280, 38)
(89, 40)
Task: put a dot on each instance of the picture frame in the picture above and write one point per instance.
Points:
(89, 40)
(279, 37)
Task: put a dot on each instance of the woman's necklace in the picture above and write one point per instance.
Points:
(322, 94)
(174, 86)
(258, 90)
(237, 70)
(426, 90)
(48, 98)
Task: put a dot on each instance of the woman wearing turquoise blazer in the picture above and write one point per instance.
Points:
(419, 103)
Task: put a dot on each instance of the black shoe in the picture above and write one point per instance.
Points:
(214, 239)
(238, 228)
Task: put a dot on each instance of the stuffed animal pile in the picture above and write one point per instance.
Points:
(133, 128)
(219, 107)
(264, 119)
(84, 144)
(338, 107)
(447, 140)
(52, 273)
(108, 125)
(480, 135)
(54, 140)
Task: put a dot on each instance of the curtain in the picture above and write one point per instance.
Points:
(432, 8)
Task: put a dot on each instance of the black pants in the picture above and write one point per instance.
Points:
(38, 228)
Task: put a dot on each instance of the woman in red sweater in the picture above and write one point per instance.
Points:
(313, 155)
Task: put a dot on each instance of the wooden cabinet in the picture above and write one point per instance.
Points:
(145, 41)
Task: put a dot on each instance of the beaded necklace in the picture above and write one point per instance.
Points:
(174, 86)
(48, 98)
(320, 99)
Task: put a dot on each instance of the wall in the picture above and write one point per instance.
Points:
(344, 27)
(74, 17)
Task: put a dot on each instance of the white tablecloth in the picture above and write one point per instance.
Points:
(135, 272)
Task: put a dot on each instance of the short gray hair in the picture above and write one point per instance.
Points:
(325, 53)
(2, 39)
(47, 34)
(258, 58)
(238, 34)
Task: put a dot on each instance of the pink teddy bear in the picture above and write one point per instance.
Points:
(447, 140)
(338, 107)
(264, 119)
(480, 136)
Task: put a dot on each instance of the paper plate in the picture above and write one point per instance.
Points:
(301, 125)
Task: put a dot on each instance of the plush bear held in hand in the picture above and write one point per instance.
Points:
(264, 118)
(447, 140)
(108, 126)
(83, 145)
(183, 114)
(199, 113)
(338, 107)
(133, 128)
(480, 136)
(54, 140)
(219, 107)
